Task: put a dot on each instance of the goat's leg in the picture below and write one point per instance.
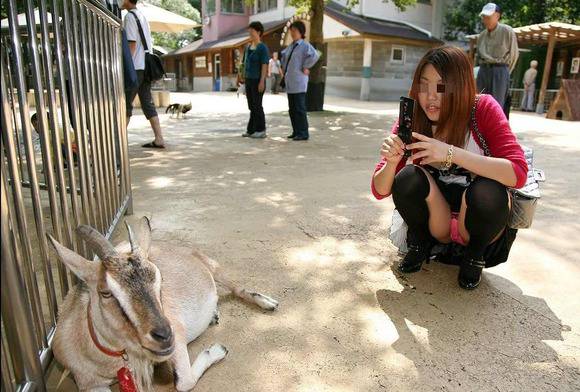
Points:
(263, 301)
(186, 375)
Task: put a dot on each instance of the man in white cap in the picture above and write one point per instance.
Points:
(497, 53)
(529, 87)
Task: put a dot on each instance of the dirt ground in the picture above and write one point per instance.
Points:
(296, 220)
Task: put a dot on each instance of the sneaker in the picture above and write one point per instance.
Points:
(246, 134)
(258, 135)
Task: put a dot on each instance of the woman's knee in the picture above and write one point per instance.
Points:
(411, 181)
(488, 197)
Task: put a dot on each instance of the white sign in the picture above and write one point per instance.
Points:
(575, 67)
(200, 62)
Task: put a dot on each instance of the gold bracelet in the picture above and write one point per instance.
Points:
(449, 158)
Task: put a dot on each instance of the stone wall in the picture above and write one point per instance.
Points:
(389, 80)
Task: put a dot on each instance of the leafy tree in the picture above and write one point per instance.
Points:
(185, 9)
(317, 76)
(463, 15)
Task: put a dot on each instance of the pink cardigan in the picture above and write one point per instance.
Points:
(496, 131)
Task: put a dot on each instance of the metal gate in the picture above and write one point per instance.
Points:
(64, 162)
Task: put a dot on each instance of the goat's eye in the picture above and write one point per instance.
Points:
(106, 294)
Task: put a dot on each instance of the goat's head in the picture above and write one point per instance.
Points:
(126, 288)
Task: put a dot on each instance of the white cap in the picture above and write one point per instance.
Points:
(489, 9)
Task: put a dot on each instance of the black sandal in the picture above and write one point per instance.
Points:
(152, 145)
(470, 273)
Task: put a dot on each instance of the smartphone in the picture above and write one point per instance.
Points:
(406, 115)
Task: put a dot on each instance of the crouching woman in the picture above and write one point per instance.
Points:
(452, 191)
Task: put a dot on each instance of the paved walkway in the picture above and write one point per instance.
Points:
(296, 220)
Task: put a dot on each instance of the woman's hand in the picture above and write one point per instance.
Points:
(393, 149)
(430, 150)
(261, 86)
(306, 71)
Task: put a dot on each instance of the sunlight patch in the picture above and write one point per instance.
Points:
(160, 182)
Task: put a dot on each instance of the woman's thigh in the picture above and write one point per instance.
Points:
(461, 218)
(439, 212)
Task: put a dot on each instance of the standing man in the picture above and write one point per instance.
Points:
(274, 72)
(497, 52)
(529, 87)
(135, 25)
(298, 58)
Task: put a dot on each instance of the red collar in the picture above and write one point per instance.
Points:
(103, 349)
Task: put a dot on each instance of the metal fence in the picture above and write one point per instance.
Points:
(518, 94)
(64, 162)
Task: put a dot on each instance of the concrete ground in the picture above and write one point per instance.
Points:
(296, 220)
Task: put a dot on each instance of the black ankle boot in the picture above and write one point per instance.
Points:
(414, 259)
(470, 273)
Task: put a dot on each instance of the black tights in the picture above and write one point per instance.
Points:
(486, 216)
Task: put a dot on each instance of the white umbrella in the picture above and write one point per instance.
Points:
(163, 21)
(22, 19)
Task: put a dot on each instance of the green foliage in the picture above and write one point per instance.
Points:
(305, 5)
(463, 15)
(184, 8)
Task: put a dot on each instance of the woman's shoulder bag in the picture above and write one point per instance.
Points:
(525, 199)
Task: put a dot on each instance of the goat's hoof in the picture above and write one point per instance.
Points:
(217, 352)
(216, 318)
(265, 302)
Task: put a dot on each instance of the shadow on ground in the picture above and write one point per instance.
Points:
(295, 220)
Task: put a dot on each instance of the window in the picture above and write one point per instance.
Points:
(232, 6)
(266, 5)
(398, 55)
(210, 7)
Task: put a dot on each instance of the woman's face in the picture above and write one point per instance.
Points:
(254, 35)
(431, 89)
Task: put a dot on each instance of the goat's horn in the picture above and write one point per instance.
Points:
(97, 242)
(132, 240)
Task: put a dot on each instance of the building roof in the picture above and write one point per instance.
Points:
(538, 34)
(374, 26)
(232, 40)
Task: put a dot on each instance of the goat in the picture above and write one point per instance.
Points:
(143, 303)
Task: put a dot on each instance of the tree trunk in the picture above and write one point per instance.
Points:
(316, 84)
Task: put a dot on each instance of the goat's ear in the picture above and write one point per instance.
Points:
(144, 234)
(84, 269)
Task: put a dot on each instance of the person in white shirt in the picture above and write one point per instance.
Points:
(133, 20)
(529, 87)
(274, 73)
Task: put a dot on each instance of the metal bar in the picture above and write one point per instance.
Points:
(13, 103)
(94, 126)
(115, 124)
(64, 101)
(75, 100)
(84, 150)
(108, 129)
(9, 147)
(51, 92)
(122, 130)
(31, 158)
(99, 8)
(47, 162)
(15, 301)
(103, 131)
(8, 379)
